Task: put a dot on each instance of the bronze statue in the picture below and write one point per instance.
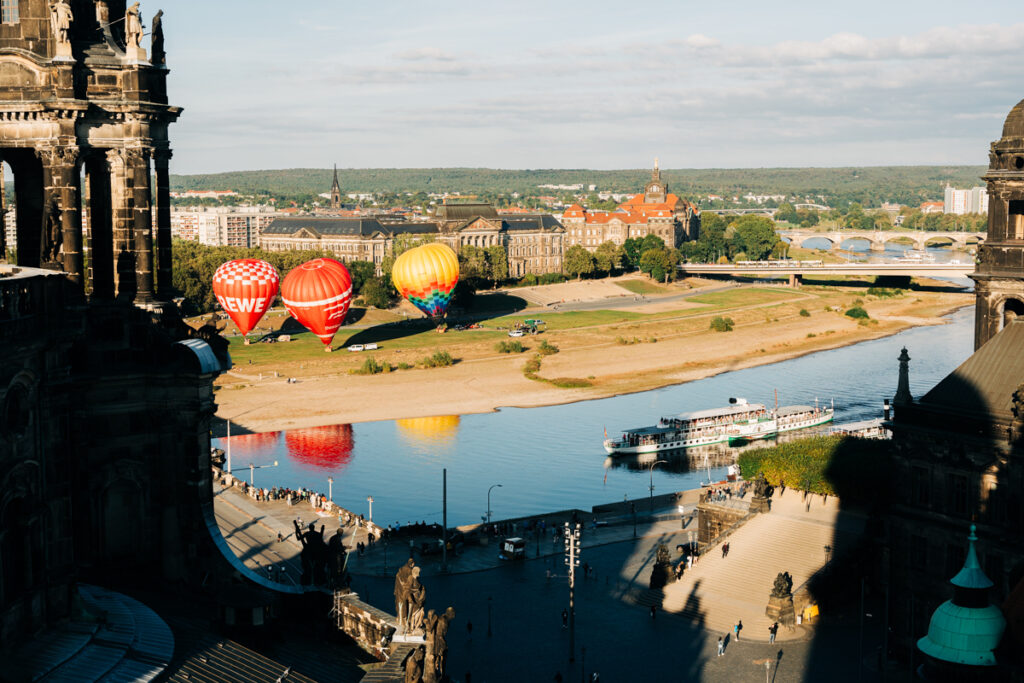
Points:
(314, 554)
(157, 54)
(338, 577)
(414, 666)
(662, 573)
(760, 485)
(783, 585)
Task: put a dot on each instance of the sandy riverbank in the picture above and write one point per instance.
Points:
(484, 381)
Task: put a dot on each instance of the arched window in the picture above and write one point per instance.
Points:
(1012, 309)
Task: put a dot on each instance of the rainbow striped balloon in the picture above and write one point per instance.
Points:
(427, 276)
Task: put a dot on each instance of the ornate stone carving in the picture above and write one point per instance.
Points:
(52, 236)
(402, 580)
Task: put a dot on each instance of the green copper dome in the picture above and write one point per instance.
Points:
(966, 629)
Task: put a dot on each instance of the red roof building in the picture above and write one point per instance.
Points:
(653, 212)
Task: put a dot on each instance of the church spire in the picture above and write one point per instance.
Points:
(335, 191)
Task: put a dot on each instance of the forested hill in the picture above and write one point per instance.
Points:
(868, 185)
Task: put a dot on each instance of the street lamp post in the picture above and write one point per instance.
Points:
(651, 487)
(493, 486)
(330, 489)
(369, 499)
(253, 468)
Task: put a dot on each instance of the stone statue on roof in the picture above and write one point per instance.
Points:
(132, 27)
(60, 19)
(157, 54)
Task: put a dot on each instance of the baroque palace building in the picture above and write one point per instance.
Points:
(654, 212)
(534, 243)
(959, 459)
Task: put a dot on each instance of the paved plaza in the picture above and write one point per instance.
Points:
(515, 608)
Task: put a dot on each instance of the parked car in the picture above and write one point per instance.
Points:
(370, 347)
(515, 333)
(356, 347)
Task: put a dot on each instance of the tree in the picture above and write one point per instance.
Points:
(497, 263)
(651, 242)
(607, 257)
(361, 271)
(473, 263)
(577, 261)
(786, 213)
(659, 263)
(756, 235)
(632, 249)
(376, 292)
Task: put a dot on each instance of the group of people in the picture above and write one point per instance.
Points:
(724, 493)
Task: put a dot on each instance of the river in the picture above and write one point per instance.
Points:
(551, 458)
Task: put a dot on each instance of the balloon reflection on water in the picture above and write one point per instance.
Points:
(429, 433)
(327, 448)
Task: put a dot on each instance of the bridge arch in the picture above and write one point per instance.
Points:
(941, 241)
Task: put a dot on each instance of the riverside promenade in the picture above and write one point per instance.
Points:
(506, 609)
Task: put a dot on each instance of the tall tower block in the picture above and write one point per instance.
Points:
(999, 277)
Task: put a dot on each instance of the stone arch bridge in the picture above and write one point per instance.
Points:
(879, 238)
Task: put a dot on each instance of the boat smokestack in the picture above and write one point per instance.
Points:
(886, 409)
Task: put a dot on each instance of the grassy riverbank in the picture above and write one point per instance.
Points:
(622, 345)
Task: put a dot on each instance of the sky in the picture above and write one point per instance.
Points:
(267, 84)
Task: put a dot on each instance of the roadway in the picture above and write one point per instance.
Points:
(803, 268)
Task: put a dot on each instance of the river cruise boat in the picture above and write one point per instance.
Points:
(737, 423)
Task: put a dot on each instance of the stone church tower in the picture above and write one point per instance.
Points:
(79, 94)
(335, 190)
(999, 278)
(655, 191)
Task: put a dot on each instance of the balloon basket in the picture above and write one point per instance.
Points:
(328, 349)
(245, 340)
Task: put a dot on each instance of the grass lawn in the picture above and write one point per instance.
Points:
(742, 297)
(641, 286)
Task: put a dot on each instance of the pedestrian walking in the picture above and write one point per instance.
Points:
(280, 537)
(725, 550)
(772, 630)
(654, 611)
(721, 646)
(565, 619)
(736, 630)
(595, 677)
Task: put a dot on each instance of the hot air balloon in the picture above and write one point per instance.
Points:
(317, 294)
(426, 276)
(245, 289)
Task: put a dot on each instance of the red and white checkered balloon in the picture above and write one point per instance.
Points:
(245, 289)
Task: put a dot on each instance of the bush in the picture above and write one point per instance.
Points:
(439, 359)
(884, 293)
(370, 366)
(405, 366)
(720, 324)
(529, 280)
(551, 278)
(804, 313)
(858, 313)
(570, 382)
(858, 470)
(546, 349)
(509, 347)
(532, 366)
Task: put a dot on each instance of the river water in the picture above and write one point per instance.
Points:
(551, 458)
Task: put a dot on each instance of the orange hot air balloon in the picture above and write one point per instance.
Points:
(245, 289)
(317, 294)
